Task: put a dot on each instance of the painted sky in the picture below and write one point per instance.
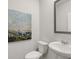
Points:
(19, 21)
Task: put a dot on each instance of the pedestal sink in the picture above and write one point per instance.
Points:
(61, 48)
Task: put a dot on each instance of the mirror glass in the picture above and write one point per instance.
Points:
(63, 16)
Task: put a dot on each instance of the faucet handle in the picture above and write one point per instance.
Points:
(64, 41)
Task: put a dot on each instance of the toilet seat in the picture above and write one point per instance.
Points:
(33, 55)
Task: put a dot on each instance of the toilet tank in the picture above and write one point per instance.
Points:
(42, 47)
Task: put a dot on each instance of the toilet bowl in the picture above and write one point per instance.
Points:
(33, 55)
(42, 49)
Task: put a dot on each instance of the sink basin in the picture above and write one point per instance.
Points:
(60, 48)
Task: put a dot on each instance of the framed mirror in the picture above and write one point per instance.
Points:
(62, 16)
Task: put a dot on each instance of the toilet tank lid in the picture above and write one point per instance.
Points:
(43, 42)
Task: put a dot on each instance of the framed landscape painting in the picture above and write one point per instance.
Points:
(19, 26)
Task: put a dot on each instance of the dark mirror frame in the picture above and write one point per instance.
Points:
(62, 32)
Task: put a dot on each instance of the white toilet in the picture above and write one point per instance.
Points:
(42, 49)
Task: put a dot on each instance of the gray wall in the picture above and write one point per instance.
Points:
(17, 50)
(47, 23)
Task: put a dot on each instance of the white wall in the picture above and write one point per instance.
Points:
(47, 23)
(17, 50)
